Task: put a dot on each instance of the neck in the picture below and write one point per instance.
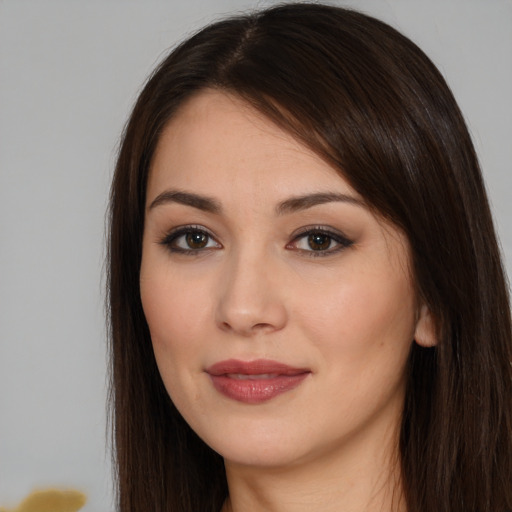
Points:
(367, 479)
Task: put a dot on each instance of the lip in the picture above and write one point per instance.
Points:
(254, 382)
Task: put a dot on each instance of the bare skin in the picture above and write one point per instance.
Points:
(256, 249)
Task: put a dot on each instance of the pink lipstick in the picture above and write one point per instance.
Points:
(254, 382)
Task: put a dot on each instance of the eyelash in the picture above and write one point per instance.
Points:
(334, 236)
(182, 231)
(338, 238)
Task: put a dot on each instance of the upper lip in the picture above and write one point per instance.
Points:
(255, 367)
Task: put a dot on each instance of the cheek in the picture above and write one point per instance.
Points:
(362, 316)
(173, 299)
(173, 321)
(173, 313)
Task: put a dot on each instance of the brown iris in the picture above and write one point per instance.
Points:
(197, 240)
(319, 242)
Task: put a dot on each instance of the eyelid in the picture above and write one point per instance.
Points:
(338, 237)
(182, 230)
(342, 241)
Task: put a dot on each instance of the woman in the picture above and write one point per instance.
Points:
(307, 304)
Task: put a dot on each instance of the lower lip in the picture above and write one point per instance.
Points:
(256, 390)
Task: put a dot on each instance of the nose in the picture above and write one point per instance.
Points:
(251, 297)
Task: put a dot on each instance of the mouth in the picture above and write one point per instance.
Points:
(254, 382)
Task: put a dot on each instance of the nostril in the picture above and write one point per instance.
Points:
(249, 312)
(248, 329)
(261, 326)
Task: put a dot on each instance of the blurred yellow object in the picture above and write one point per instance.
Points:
(50, 500)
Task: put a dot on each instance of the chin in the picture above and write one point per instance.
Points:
(274, 455)
(258, 444)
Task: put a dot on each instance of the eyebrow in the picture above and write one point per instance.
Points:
(307, 201)
(291, 205)
(204, 203)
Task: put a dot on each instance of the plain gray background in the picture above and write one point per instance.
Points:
(69, 72)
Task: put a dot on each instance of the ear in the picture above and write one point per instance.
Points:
(425, 332)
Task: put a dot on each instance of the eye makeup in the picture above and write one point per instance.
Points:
(319, 241)
(312, 241)
(189, 240)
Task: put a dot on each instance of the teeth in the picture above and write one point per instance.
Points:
(260, 376)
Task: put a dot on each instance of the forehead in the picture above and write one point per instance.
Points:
(217, 138)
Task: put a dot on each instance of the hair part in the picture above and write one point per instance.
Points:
(368, 101)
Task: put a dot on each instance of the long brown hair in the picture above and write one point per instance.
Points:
(368, 101)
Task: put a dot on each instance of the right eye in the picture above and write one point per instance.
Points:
(189, 240)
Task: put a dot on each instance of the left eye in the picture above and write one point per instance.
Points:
(320, 242)
(195, 240)
(189, 240)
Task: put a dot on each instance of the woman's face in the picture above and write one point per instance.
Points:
(281, 309)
